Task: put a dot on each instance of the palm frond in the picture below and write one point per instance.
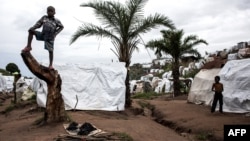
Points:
(119, 14)
(172, 43)
(159, 46)
(105, 12)
(192, 44)
(117, 50)
(151, 22)
(189, 38)
(192, 51)
(123, 24)
(133, 46)
(90, 30)
(135, 10)
(200, 41)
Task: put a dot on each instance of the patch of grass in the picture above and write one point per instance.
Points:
(13, 106)
(38, 121)
(203, 136)
(68, 117)
(8, 109)
(108, 114)
(145, 104)
(148, 96)
(123, 136)
(191, 74)
(33, 97)
(44, 119)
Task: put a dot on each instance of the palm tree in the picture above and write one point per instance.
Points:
(172, 44)
(123, 24)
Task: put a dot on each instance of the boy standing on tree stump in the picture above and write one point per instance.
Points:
(51, 27)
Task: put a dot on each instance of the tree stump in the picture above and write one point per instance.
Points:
(55, 110)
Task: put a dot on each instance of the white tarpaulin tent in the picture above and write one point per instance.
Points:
(9, 83)
(200, 91)
(164, 83)
(6, 83)
(3, 85)
(235, 76)
(96, 86)
(23, 90)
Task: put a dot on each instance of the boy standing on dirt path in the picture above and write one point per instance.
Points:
(218, 89)
(51, 27)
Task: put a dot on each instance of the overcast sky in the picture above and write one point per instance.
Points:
(222, 23)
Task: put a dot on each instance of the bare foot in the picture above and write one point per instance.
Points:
(26, 49)
(51, 68)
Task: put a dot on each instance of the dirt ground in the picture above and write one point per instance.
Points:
(161, 119)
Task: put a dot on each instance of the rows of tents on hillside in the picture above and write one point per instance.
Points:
(231, 65)
(101, 86)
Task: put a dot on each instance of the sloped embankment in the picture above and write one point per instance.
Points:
(151, 111)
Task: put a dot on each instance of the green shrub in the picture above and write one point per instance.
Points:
(148, 95)
(123, 136)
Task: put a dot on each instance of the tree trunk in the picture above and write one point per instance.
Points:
(55, 110)
(128, 100)
(176, 75)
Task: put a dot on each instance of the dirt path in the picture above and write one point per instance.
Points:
(197, 119)
(17, 125)
(193, 122)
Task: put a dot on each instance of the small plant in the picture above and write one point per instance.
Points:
(191, 74)
(68, 117)
(145, 104)
(38, 121)
(31, 100)
(33, 97)
(203, 136)
(149, 95)
(8, 109)
(123, 136)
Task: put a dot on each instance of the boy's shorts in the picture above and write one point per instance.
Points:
(49, 45)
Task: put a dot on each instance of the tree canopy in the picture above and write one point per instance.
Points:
(173, 43)
(12, 68)
(123, 24)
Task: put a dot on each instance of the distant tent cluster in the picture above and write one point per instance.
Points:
(164, 84)
(6, 83)
(234, 75)
(22, 87)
